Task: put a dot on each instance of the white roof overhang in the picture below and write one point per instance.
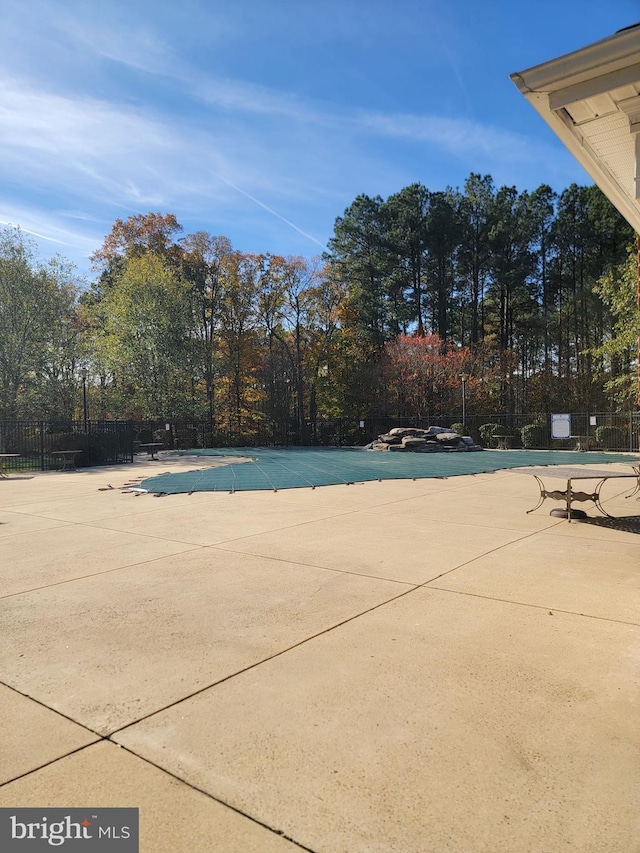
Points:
(591, 100)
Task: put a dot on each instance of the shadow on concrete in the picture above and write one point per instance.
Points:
(627, 523)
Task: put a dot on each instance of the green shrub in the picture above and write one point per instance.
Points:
(487, 431)
(534, 435)
(186, 437)
(461, 429)
(102, 446)
(610, 437)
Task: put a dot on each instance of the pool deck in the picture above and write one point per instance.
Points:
(414, 666)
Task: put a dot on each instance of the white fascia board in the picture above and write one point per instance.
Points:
(598, 68)
(604, 57)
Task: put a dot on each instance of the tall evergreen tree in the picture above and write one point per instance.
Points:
(444, 236)
(407, 224)
(476, 217)
(359, 257)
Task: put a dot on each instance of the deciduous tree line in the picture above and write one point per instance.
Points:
(530, 295)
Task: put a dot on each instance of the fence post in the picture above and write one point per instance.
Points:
(41, 431)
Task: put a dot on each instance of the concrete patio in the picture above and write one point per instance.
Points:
(398, 666)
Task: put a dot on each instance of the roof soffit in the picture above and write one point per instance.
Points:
(591, 100)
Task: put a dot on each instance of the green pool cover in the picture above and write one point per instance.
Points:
(273, 469)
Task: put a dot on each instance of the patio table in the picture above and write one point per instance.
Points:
(582, 442)
(569, 495)
(67, 459)
(637, 486)
(504, 440)
(152, 448)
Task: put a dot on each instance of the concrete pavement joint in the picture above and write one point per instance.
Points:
(312, 565)
(192, 549)
(187, 550)
(547, 607)
(49, 708)
(264, 660)
(93, 526)
(465, 522)
(490, 551)
(53, 760)
(194, 787)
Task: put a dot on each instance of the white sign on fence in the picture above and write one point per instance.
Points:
(560, 426)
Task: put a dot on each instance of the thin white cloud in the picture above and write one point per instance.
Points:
(461, 137)
(88, 147)
(138, 47)
(240, 96)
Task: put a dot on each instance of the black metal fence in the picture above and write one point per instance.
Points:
(601, 430)
(114, 442)
(597, 431)
(37, 442)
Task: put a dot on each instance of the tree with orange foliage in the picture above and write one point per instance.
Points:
(422, 376)
(139, 235)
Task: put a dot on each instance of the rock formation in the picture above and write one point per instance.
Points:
(432, 440)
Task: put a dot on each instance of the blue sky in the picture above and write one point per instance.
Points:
(263, 119)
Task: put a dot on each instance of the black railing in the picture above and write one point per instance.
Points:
(36, 442)
(113, 442)
(604, 431)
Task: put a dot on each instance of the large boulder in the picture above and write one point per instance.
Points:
(412, 442)
(448, 439)
(390, 438)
